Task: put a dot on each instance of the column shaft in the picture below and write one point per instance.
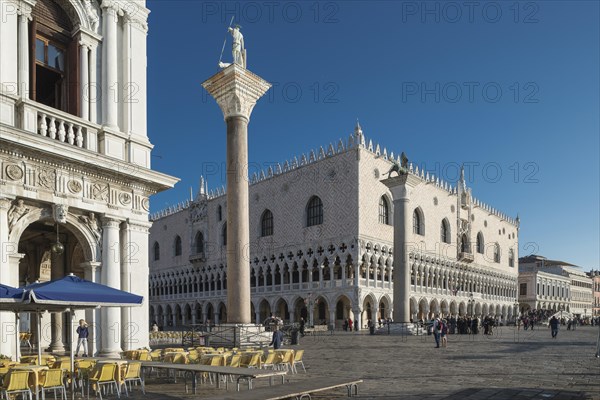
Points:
(238, 232)
(92, 89)
(111, 276)
(110, 62)
(84, 81)
(23, 54)
(401, 260)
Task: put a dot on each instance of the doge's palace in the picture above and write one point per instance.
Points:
(75, 159)
(321, 245)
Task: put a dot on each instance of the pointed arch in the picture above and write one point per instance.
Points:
(445, 235)
(418, 222)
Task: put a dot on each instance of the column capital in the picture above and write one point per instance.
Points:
(236, 90)
(91, 265)
(110, 5)
(87, 37)
(110, 222)
(25, 7)
(401, 186)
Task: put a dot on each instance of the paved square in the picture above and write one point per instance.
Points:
(506, 365)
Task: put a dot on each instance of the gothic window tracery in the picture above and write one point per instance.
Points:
(314, 211)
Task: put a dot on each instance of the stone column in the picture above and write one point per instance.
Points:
(236, 91)
(8, 327)
(401, 188)
(57, 271)
(93, 89)
(23, 50)
(357, 318)
(90, 272)
(111, 276)
(110, 61)
(84, 80)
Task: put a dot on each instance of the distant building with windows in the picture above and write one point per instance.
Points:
(322, 243)
(550, 279)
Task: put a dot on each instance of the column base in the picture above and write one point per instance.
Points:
(110, 353)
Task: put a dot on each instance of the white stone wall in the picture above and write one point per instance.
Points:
(348, 181)
(50, 157)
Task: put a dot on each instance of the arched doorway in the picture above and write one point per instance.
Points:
(281, 310)
(343, 307)
(264, 311)
(50, 245)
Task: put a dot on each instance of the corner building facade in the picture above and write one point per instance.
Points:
(75, 160)
(321, 240)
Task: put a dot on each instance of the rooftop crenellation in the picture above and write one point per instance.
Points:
(355, 140)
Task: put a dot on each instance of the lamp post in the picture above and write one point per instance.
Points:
(516, 306)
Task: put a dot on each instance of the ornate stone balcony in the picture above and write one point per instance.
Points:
(466, 257)
(71, 131)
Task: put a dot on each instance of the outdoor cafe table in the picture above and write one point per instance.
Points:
(194, 369)
(34, 375)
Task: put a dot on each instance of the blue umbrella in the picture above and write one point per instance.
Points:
(10, 294)
(74, 292)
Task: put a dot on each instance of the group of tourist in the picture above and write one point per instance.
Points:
(349, 325)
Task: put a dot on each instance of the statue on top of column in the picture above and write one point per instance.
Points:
(238, 49)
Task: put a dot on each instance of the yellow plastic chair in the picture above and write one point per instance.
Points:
(145, 357)
(269, 361)
(103, 375)
(285, 361)
(83, 368)
(133, 373)
(52, 379)
(253, 361)
(156, 355)
(235, 361)
(298, 360)
(16, 382)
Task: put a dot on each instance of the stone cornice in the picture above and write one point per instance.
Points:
(236, 90)
(27, 147)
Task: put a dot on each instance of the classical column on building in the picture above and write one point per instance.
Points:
(236, 91)
(134, 279)
(57, 271)
(357, 318)
(84, 80)
(7, 319)
(110, 62)
(24, 12)
(91, 272)
(110, 275)
(401, 187)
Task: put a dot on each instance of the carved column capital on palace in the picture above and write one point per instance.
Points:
(236, 90)
(25, 8)
(110, 222)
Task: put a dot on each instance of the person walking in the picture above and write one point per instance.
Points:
(554, 326)
(82, 340)
(302, 326)
(444, 333)
(350, 324)
(436, 332)
(277, 340)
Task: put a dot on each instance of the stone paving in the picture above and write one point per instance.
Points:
(505, 365)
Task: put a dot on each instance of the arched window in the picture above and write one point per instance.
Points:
(384, 211)
(177, 245)
(219, 213)
(480, 243)
(199, 242)
(314, 211)
(224, 235)
(511, 258)
(497, 253)
(266, 223)
(156, 251)
(418, 222)
(445, 231)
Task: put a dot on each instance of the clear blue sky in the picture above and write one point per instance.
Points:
(511, 88)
